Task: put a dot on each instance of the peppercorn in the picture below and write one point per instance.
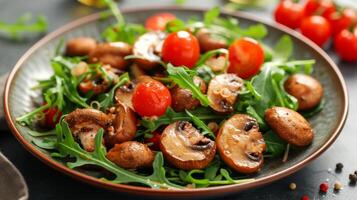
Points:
(353, 178)
(339, 167)
(292, 186)
(305, 197)
(337, 186)
(356, 172)
(324, 187)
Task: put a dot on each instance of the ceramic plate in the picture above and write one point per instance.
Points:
(35, 65)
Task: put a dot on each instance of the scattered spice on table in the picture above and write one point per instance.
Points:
(292, 186)
(339, 167)
(337, 186)
(353, 178)
(305, 197)
(324, 187)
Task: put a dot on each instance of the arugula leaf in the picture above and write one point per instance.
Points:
(283, 49)
(211, 15)
(67, 147)
(182, 77)
(108, 98)
(171, 116)
(200, 124)
(275, 145)
(23, 26)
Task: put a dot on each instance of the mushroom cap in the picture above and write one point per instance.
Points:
(112, 54)
(124, 125)
(290, 126)
(209, 42)
(80, 46)
(124, 94)
(185, 148)
(85, 123)
(223, 92)
(240, 144)
(182, 99)
(307, 90)
(131, 155)
(149, 46)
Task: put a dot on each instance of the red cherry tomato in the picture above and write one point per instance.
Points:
(317, 29)
(151, 98)
(289, 14)
(158, 22)
(346, 45)
(341, 20)
(155, 140)
(246, 56)
(52, 117)
(181, 48)
(319, 7)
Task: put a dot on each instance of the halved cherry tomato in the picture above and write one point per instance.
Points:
(246, 56)
(289, 14)
(151, 98)
(158, 22)
(346, 45)
(181, 48)
(341, 20)
(52, 117)
(319, 7)
(317, 29)
(154, 140)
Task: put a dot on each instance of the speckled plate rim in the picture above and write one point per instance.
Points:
(214, 191)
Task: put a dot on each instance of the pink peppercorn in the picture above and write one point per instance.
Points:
(305, 197)
(324, 187)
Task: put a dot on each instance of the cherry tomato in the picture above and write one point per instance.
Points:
(319, 7)
(246, 56)
(151, 98)
(158, 22)
(52, 117)
(346, 45)
(181, 48)
(341, 20)
(155, 140)
(289, 14)
(317, 29)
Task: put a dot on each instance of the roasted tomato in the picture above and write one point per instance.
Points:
(181, 48)
(158, 22)
(52, 117)
(154, 141)
(151, 98)
(246, 56)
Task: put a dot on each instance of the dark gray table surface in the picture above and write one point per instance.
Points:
(45, 183)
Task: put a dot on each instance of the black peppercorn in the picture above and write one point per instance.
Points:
(353, 178)
(356, 172)
(339, 166)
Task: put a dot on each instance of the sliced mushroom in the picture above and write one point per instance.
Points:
(306, 89)
(80, 46)
(124, 125)
(223, 92)
(131, 155)
(185, 148)
(112, 54)
(85, 123)
(136, 71)
(208, 42)
(124, 94)
(240, 144)
(217, 64)
(149, 47)
(290, 126)
(182, 98)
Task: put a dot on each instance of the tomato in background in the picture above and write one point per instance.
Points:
(341, 20)
(317, 29)
(246, 57)
(289, 14)
(319, 7)
(158, 21)
(181, 48)
(346, 45)
(155, 140)
(151, 98)
(52, 117)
